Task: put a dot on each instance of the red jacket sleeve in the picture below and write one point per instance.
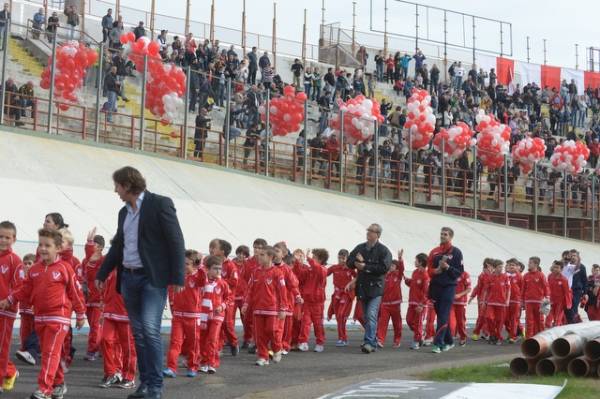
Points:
(292, 284)
(546, 286)
(22, 293)
(90, 248)
(249, 291)
(568, 296)
(75, 294)
(280, 293)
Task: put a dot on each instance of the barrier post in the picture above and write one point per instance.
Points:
(535, 196)
(143, 103)
(267, 128)
(376, 162)
(593, 193)
(443, 176)
(186, 111)
(4, 57)
(99, 84)
(342, 157)
(227, 122)
(475, 181)
(305, 144)
(565, 207)
(506, 189)
(411, 182)
(52, 76)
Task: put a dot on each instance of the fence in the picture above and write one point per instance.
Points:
(387, 170)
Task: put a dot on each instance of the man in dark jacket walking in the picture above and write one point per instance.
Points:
(372, 260)
(252, 66)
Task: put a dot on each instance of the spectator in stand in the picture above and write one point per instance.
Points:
(139, 30)
(434, 79)
(52, 26)
(267, 77)
(72, 20)
(111, 88)
(4, 18)
(370, 86)
(203, 123)
(190, 49)
(493, 77)
(330, 82)
(107, 25)
(379, 61)
(252, 65)
(308, 81)
(419, 60)
(12, 102)
(264, 62)
(162, 40)
(362, 56)
(389, 69)
(316, 85)
(26, 96)
(404, 64)
(115, 36)
(459, 73)
(39, 19)
(297, 69)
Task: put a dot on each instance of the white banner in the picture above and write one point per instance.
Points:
(575, 74)
(528, 73)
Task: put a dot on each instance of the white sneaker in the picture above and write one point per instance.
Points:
(428, 342)
(277, 357)
(319, 348)
(203, 369)
(262, 362)
(284, 352)
(211, 370)
(25, 357)
(303, 347)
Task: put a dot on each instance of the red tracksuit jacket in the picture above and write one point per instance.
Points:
(114, 307)
(11, 279)
(220, 295)
(291, 285)
(418, 285)
(230, 274)
(89, 270)
(245, 273)
(516, 287)
(392, 294)
(187, 302)
(463, 283)
(266, 292)
(481, 289)
(560, 293)
(535, 287)
(342, 275)
(53, 291)
(499, 290)
(313, 279)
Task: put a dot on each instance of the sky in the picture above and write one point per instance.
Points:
(562, 23)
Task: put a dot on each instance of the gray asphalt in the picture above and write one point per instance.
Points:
(299, 375)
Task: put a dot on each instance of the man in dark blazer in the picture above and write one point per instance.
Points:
(148, 251)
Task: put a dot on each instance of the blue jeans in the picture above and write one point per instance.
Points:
(379, 72)
(443, 297)
(145, 304)
(371, 312)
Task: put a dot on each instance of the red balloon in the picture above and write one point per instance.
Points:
(153, 48)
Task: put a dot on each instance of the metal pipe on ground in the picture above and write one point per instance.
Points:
(582, 367)
(551, 365)
(520, 366)
(539, 345)
(568, 345)
(592, 349)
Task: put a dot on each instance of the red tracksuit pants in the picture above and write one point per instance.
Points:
(118, 349)
(52, 337)
(534, 319)
(247, 331)
(556, 316)
(414, 319)
(228, 327)
(342, 310)
(481, 324)
(296, 324)
(185, 333)
(495, 319)
(7, 368)
(387, 313)
(312, 314)
(459, 312)
(94, 314)
(358, 313)
(593, 312)
(512, 320)
(265, 329)
(284, 332)
(430, 322)
(27, 328)
(210, 343)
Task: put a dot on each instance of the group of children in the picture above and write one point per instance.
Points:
(279, 296)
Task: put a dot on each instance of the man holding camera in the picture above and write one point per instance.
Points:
(444, 266)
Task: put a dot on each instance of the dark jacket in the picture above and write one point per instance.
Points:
(580, 280)
(447, 278)
(370, 280)
(160, 244)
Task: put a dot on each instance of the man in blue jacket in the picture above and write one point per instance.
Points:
(444, 266)
(576, 274)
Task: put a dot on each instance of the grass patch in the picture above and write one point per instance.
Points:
(576, 388)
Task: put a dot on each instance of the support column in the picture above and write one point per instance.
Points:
(152, 17)
(274, 38)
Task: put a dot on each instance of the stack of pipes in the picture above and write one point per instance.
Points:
(574, 348)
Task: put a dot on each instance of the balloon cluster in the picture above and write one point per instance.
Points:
(360, 113)
(72, 61)
(420, 120)
(527, 152)
(286, 113)
(493, 141)
(456, 140)
(570, 156)
(165, 85)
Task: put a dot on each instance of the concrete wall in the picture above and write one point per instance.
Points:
(47, 174)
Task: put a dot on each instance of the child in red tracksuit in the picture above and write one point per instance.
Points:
(215, 297)
(561, 297)
(284, 327)
(11, 278)
(54, 292)
(497, 301)
(315, 278)
(390, 304)
(459, 307)
(242, 253)
(341, 299)
(592, 306)
(185, 325)
(430, 317)
(25, 309)
(266, 297)
(90, 266)
(418, 285)
(535, 291)
(513, 315)
(118, 346)
(481, 291)
(229, 274)
(250, 266)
